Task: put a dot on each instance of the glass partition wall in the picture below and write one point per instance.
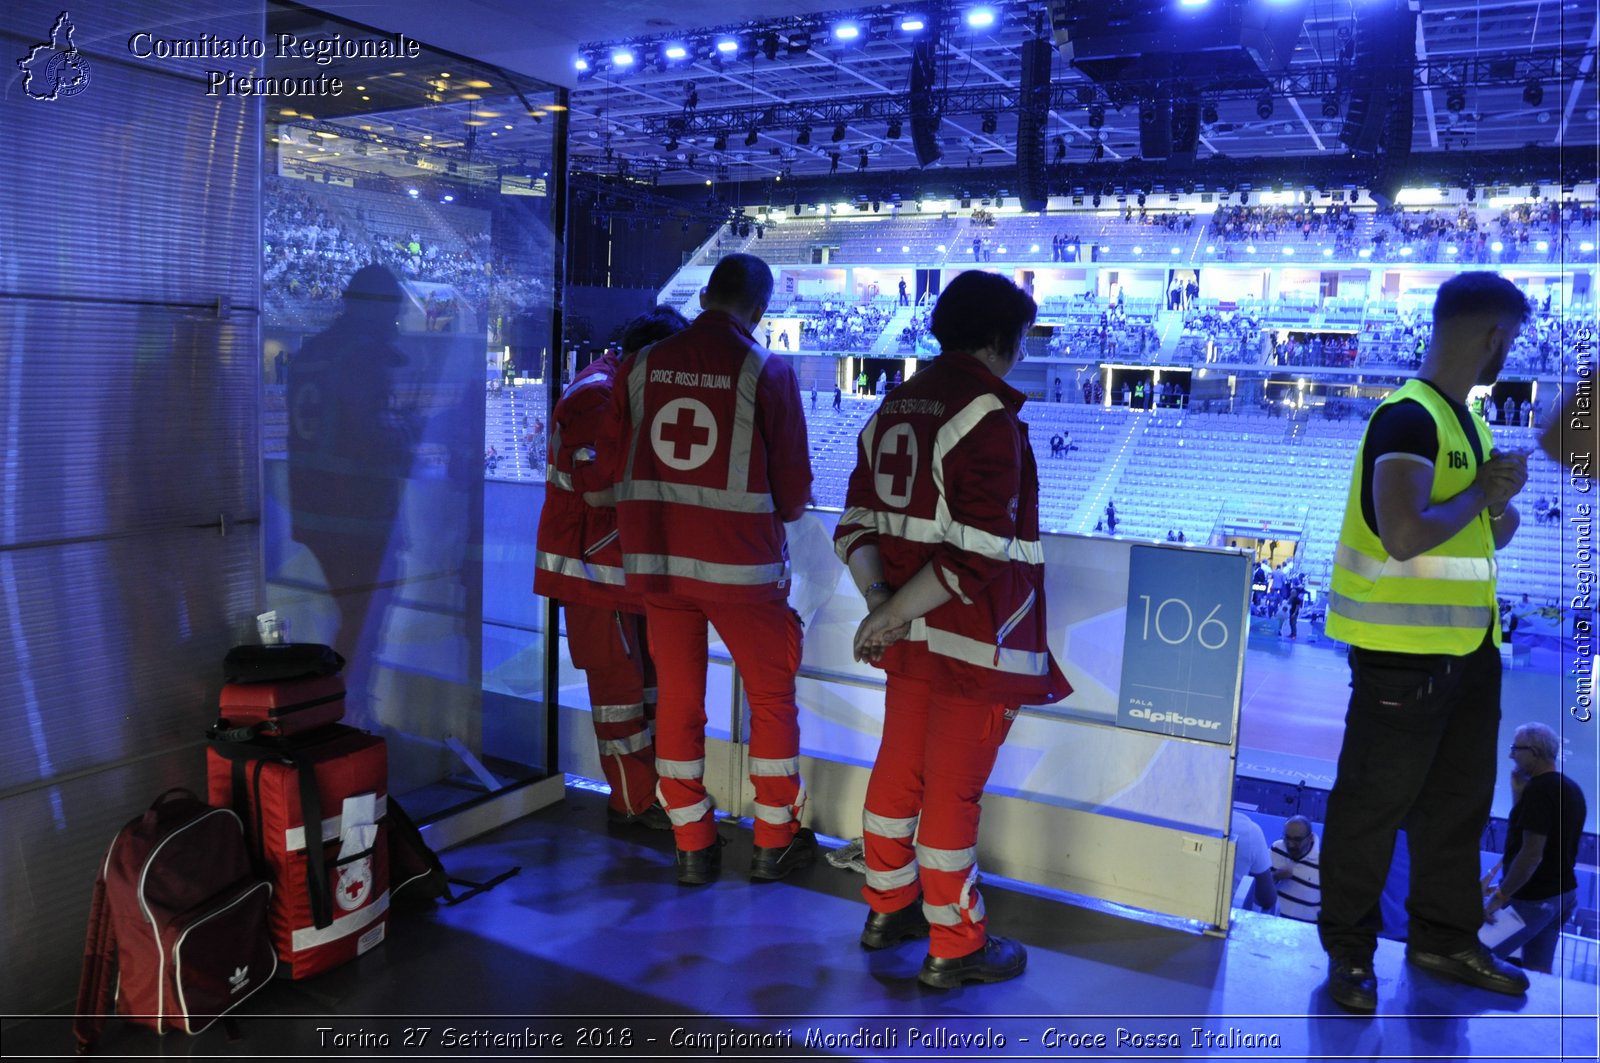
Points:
(410, 272)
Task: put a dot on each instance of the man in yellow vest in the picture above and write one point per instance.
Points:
(1413, 593)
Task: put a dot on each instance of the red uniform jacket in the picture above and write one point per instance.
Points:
(579, 552)
(944, 474)
(707, 444)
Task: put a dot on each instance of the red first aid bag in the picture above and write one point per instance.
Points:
(281, 709)
(314, 811)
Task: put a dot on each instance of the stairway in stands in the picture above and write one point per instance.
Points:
(887, 344)
(1109, 475)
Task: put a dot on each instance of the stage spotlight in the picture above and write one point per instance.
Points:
(1533, 93)
(751, 137)
(894, 130)
(838, 132)
(769, 46)
(1264, 107)
(913, 24)
(727, 46)
(622, 59)
(1455, 100)
(980, 18)
(799, 43)
(847, 31)
(1097, 116)
(1330, 106)
(805, 136)
(990, 122)
(676, 51)
(581, 65)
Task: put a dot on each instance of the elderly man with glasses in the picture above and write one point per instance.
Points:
(1542, 837)
(1295, 860)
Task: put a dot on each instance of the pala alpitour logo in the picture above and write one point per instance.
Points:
(55, 69)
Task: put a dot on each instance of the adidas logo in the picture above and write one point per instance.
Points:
(239, 979)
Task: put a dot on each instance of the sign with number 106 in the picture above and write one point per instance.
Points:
(1181, 655)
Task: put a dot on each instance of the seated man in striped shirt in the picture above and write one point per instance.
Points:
(1295, 859)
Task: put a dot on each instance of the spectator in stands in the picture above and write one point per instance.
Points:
(813, 396)
(1127, 394)
(1088, 391)
(905, 299)
(838, 397)
(1297, 598)
(1542, 835)
(882, 386)
(861, 382)
(1295, 868)
(1252, 859)
(1058, 446)
(1058, 390)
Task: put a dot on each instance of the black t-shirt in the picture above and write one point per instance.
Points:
(1406, 427)
(1551, 805)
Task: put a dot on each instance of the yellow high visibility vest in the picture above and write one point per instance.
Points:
(1442, 601)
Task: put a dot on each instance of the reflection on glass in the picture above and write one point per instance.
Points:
(407, 305)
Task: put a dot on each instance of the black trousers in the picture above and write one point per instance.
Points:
(1420, 752)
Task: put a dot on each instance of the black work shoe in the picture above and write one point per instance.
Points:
(696, 867)
(769, 865)
(1475, 966)
(1352, 985)
(999, 959)
(652, 818)
(890, 928)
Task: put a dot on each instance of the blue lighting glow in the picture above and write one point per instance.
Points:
(581, 63)
(727, 45)
(847, 31)
(980, 17)
(622, 58)
(1193, 3)
(413, 193)
(913, 25)
(676, 51)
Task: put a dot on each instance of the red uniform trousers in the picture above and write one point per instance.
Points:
(764, 639)
(609, 645)
(935, 757)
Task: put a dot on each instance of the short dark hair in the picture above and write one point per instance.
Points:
(652, 326)
(740, 280)
(374, 283)
(1480, 292)
(977, 309)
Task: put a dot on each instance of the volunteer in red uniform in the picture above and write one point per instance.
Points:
(941, 533)
(580, 565)
(710, 438)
